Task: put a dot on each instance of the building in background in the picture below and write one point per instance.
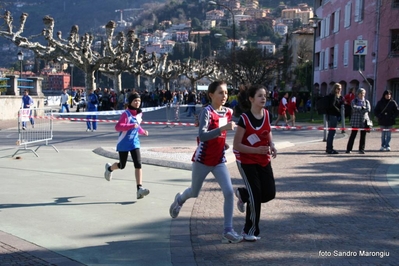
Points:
(357, 35)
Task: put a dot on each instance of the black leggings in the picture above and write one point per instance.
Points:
(136, 156)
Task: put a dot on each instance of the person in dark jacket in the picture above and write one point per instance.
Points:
(386, 111)
(333, 114)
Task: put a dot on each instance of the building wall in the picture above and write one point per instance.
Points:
(333, 62)
(388, 62)
(381, 67)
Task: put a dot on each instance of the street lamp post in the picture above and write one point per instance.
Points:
(234, 40)
(71, 65)
(315, 20)
(20, 58)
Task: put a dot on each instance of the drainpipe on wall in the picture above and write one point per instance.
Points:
(377, 38)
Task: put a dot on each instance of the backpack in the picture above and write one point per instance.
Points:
(323, 104)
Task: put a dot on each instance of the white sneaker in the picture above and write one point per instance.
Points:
(107, 173)
(388, 148)
(240, 203)
(142, 192)
(250, 238)
(231, 237)
(87, 130)
(175, 207)
(93, 130)
(382, 149)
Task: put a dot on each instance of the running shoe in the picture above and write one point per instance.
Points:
(175, 207)
(142, 192)
(107, 173)
(231, 238)
(250, 238)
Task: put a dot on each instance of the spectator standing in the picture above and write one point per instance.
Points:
(192, 100)
(129, 130)
(360, 120)
(386, 111)
(275, 102)
(64, 101)
(308, 105)
(27, 103)
(214, 121)
(121, 100)
(105, 100)
(333, 114)
(254, 147)
(92, 106)
(348, 98)
(112, 99)
(77, 99)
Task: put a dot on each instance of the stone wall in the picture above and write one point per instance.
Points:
(12, 101)
(10, 104)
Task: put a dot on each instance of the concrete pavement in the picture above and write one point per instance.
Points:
(330, 210)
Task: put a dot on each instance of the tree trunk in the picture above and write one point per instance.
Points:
(117, 78)
(90, 80)
(193, 82)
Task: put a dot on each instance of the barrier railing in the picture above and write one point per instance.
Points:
(33, 131)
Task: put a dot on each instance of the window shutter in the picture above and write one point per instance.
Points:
(335, 56)
(357, 11)
(326, 57)
(336, 21)
(348, 9)
(346, 53)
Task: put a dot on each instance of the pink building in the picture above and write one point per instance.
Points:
(355, 34)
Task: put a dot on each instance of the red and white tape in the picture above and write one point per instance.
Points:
(193, 124)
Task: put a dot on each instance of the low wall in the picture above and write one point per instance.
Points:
(9, 105)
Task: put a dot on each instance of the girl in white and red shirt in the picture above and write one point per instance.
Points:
(253, 147)
(214, 121)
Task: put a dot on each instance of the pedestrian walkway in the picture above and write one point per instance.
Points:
(329, 209)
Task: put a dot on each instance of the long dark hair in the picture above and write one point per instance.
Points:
(213, 87)
(243, 96)
(386, 92)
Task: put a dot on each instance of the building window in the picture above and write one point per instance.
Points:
(335, 56)
(327, 26)
(317, 61)
(359, 10)
(348, 9)
(327, 57)
(359, 62)
(321, 61)
(395, 42)
(395, 3)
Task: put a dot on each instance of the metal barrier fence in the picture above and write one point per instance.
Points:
(34, 126)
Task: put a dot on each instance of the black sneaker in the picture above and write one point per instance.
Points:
(332, 152)
(361, 152)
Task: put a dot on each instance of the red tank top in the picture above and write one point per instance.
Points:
(255, 137)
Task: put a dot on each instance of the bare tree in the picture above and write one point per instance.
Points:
(196, 70)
